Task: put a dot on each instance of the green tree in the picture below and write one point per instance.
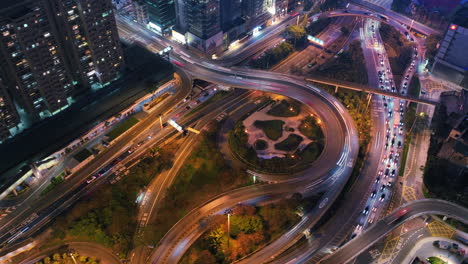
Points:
(431, 47)
(297, 32)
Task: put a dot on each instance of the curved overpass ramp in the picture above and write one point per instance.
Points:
(389, 223)
(332, 168)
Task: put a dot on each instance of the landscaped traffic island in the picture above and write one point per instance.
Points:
(281, 137)
(246, 228)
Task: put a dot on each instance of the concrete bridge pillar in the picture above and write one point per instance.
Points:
(336, 89)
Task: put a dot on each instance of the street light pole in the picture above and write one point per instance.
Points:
(229, 228)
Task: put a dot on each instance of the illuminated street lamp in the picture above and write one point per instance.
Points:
(228, 212)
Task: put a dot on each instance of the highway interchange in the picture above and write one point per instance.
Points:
(330, 171)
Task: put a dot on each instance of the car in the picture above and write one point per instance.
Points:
(101, 172)
(382, 197)
(374, 209)
(400, 131)
(187, 107)
(401, 123)
(359, 227)
(387, 171)
(390, 113)
(310, 65)
(380, 73)
(393, 141)
(389, 184)
(373, 195)
(382, 188)
(399, 144)
(377, 180)
(91, 179)
(407, 77)
(365, 211)
(393, 173)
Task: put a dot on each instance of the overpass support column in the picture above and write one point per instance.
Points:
(336, 89)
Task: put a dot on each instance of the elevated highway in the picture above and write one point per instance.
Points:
(389, 223)
(369, 89)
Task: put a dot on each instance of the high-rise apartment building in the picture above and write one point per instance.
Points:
(255, 12)
(231, 12)
(141, 11)
(203, 21)
(161, 15)
(8, 115)
(91, 40)
(32, 61)
(52, 50)
(451, 61)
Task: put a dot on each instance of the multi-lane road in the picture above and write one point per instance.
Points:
(401, 215)
(331, 169)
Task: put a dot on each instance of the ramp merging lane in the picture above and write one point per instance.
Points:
(401, 215)
(332, 168)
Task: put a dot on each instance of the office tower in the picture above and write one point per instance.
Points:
(8, 115)
(32, 61)
(255, 12)
(90, 40)
(161, 15)
(231, 12)
(203, 24)
(141, 11)
(451, 61)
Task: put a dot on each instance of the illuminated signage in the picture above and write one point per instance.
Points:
(315, 40)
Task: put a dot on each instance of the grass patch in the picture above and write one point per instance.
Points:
(260, 144)
(349, 66)
(404, 155)
(54, 182)
(414, 87)
(251, 228)
(435, 260)
(122, 127)
(290, 143)
(285, 109)
(82, 155)
(312, 151)
(205, 174)
(273, 129)
(107, 216)
(310, 128)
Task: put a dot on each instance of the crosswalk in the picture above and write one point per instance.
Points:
(383, 3)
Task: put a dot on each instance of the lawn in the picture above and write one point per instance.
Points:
(55, 181)
(273, 129)
(204, 175)
(82, 155)
(311, 152)
(260, 144)
(435, 260)
(122, 127)
(290, 143)
(285, 109)
(311, 129)
(250, 229)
